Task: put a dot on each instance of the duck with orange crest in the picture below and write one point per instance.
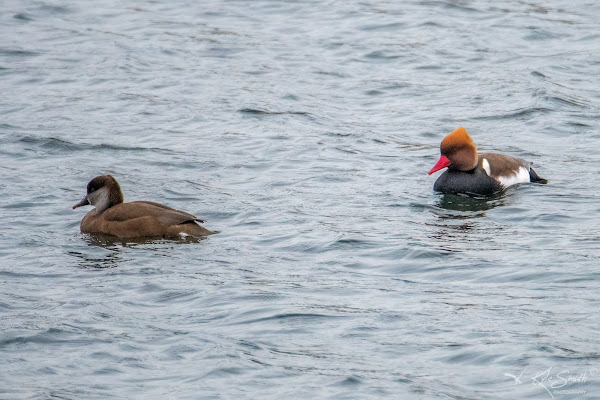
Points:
(485, 174)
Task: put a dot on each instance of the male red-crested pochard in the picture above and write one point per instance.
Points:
(480, 175)
(135, 219)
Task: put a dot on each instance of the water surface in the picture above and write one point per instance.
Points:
(303, 132)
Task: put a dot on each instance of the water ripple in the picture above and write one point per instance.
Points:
(303, 131)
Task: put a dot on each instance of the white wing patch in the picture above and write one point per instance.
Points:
(520, 176)
(486, 166)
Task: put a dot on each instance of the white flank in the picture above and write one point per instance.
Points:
(183, 235)
(486, 166)
(521, 176)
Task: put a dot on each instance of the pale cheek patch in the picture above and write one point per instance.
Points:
(519, 177)
(486, 166)
(99, 199)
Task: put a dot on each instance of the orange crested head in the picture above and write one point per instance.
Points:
(458, 152)
(458, 138)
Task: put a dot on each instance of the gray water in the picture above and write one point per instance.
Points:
(303, 132)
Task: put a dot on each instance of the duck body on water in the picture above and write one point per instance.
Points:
(135, 219)
(468, 173)
(475, 174)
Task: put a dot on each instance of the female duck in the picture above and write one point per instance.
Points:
(480, 175)
(135, 219)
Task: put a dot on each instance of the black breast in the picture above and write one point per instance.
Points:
(475, 182)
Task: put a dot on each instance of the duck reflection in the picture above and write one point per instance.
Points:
(111, 259)
(460, 207)
(108, 251)
(457, 217)
(113, 242)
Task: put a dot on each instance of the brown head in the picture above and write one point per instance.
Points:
(102, 192)
(458, 152)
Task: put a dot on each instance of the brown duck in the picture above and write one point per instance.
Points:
(135, 219)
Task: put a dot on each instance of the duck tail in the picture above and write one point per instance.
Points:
(535, 177)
